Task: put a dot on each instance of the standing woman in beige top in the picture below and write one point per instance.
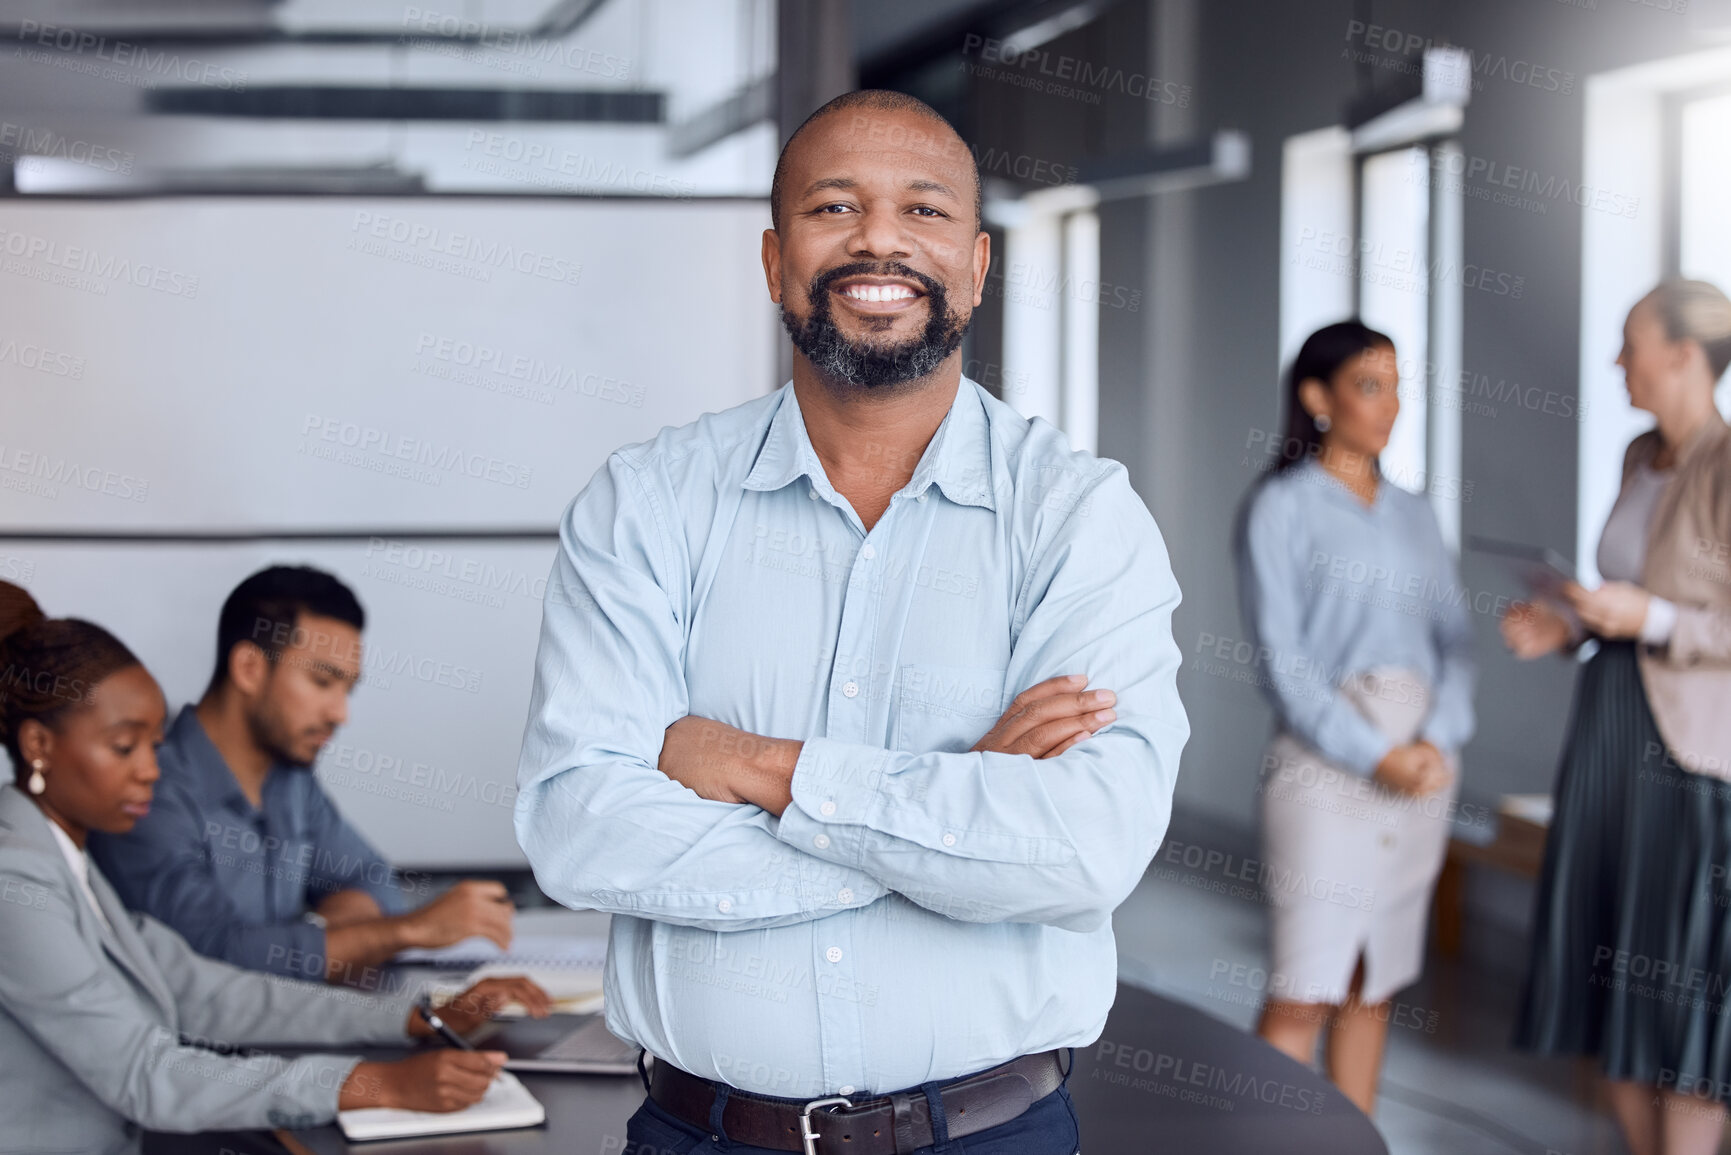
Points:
(1631, 957)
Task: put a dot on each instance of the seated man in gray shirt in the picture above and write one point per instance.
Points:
(241, 851)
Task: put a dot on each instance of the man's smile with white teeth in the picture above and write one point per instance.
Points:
(860, 292)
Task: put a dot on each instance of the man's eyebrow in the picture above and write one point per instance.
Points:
(846, 184)
(331, 671)
(932, 186)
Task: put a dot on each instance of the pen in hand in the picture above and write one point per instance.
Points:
(425, 1005)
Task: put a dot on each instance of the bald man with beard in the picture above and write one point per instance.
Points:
(856, 704)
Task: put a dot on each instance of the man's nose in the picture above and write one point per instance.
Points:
(879, 235)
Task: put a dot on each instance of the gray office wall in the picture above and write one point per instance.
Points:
(1208, 262)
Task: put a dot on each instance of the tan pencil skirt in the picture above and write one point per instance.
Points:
(1349, 866)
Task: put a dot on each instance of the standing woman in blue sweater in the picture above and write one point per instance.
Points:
(1364, 646)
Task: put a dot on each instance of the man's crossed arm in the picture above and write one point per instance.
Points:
(1051, 818)
(726, 764)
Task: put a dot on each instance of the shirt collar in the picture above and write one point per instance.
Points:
(75, 857)
(958, 460)
(204, 762)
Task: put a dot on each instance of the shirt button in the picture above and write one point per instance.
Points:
(845, 1089)
(811, 493)
(921, 497)
(868, 551)
(850, 689)
(821, 842)
(949, 840)
(724, 905)
(826, 809)
(833, 954)
(844, 895)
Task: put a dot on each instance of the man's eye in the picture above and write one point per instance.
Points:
(124, 751)
(837, 206)
(927, 209)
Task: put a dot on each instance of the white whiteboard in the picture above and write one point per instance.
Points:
(356, 365)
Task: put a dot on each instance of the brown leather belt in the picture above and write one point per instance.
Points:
(893, 1124)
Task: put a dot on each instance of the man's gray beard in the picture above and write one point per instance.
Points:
(861, 364)
(866, 366)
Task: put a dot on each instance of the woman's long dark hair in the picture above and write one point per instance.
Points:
(48, 667)
(1321, 356)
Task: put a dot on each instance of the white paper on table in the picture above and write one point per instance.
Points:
(506, 1104)
(587, 952)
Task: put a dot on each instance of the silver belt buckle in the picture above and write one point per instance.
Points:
(806, 1135)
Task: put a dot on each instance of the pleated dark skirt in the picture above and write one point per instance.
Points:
(1631, 957)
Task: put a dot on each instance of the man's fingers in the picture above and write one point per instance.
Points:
(1064, 684)
(1066, 744)
(1059, 706)
(1041, 740)
(488, 888)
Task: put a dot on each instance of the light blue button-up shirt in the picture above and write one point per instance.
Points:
(1331, 587)
(919, 911)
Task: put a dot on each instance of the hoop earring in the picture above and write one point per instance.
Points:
(1323, 424)
(37, 783)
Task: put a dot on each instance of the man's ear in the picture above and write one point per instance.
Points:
(249, 668)
(772, 263)
(982, 265)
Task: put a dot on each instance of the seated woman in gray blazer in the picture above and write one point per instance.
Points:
(97, 1004)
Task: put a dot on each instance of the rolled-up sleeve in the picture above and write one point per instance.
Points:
(601, 825)
(988, 837)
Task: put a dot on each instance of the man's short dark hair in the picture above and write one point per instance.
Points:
(881, 100)
(265, 608)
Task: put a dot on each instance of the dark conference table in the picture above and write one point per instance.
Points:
(1163, 1077)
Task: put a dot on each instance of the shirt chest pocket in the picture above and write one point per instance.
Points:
(946, 709)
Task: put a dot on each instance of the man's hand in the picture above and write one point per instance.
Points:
(1534, 629)
(481, 1002)
(346, 907)
(1614, 610)
(1047, 719)
(726, 764)
(1417, 768)
(471, 907)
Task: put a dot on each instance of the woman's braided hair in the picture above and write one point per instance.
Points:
(48, 666)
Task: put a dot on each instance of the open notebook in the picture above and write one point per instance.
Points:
(506, 1104)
